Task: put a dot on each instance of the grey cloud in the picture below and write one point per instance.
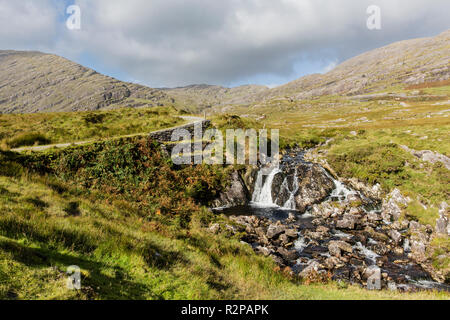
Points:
(27, 24)
(176, 42)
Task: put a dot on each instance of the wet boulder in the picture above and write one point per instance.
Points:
(332, 262)
(314, 186)
(264, 251)
(288, 255)
(348, 221)
(379, 248)
(275, 230)
(395, 236)
(291, 233)
(310, 270)
(336, 247)
(236, 194)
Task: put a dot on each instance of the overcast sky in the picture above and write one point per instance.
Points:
(227, 42)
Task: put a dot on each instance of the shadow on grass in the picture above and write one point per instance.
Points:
(163, 259)
(96, 285)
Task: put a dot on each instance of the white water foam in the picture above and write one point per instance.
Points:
(290, 203)
(262, 196)
(340, 191)
(369, 254)
(300, 245)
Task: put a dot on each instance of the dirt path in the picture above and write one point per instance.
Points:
(189, 119)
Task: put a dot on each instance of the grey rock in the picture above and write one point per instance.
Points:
(264, 251)
(429, 156)
(393, 204)
(332, 262)
(335, 248)
(314, 186)
(312, 268)
(275, 230)
(418, 251)
(236, 193)
(442, 225)
(291, 233)
(349, 222)
(395, 236)
(214, 228)
(374, 217)
(288, 255)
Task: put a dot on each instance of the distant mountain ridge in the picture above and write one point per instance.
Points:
(205, 96)
(38, 82)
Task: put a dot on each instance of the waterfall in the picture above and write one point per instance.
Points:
(340, 192)
(290, 203)
(262, 196)
(263, 192)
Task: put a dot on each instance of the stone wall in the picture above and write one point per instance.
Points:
(166, 135)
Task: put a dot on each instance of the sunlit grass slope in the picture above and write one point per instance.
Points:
(17, 130)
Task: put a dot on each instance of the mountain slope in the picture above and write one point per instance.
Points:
(401, 63)
(38, 82)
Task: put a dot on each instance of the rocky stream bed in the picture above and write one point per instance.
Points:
(315, 226)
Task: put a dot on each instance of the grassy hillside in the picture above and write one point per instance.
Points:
(18, 130)
(135, 225)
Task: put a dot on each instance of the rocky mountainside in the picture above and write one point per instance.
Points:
(204, 96)
(38, 82)
(402, 63)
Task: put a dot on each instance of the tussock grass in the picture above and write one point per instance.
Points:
(18, 130)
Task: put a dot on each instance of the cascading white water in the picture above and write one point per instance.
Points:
(262, 196)
(340, 191)
(290, 203)
(263, 192)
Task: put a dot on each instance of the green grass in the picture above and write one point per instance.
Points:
(17, 130)
(27, 139)
(440, 249)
